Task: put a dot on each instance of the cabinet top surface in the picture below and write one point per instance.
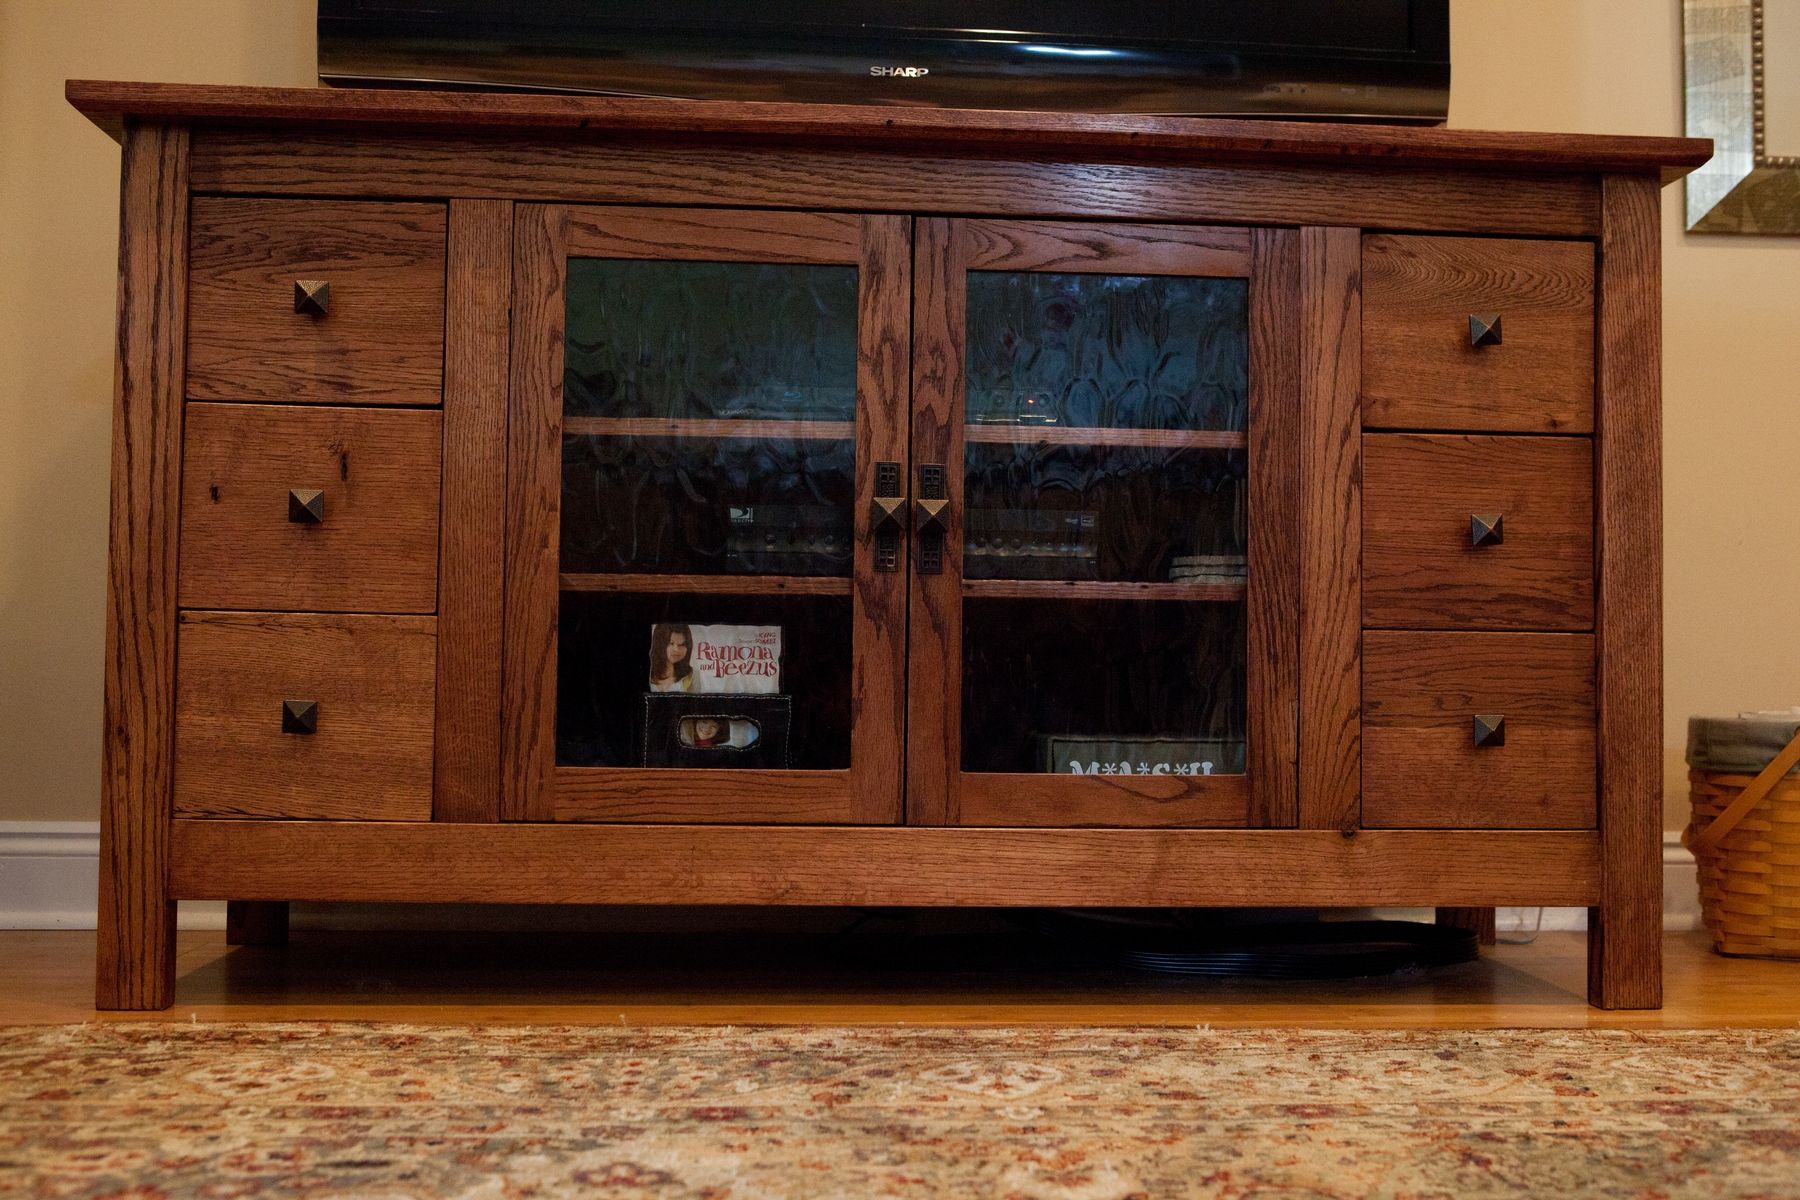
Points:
(110, 104)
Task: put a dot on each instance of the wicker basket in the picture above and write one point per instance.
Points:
(1745, 835)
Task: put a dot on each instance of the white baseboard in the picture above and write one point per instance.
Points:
(50, 876)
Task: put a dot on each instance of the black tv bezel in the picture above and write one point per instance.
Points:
(1427, 22)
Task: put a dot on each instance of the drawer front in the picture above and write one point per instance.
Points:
(368, 754)
(376, 336)
(1422, 366)
(1423, 566)
(1427, 764)
(310, 509)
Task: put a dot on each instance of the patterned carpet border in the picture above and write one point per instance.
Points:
(233, 1112)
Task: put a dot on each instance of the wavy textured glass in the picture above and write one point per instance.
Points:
(704, 342)
(1119, 685)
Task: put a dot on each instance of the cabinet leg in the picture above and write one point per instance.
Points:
(256, 922)
(135, 966)
(1478, 920)
(1625, 954)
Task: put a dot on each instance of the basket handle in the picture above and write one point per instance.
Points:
(1708, 839)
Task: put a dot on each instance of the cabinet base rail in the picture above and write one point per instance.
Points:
(902, 866)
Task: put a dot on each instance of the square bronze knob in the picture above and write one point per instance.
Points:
(312, 297)
(1490, 731)
(306, 506)
(300, 716)
(1487, 529)
(1484, 330)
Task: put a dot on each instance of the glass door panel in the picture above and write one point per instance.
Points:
(715, 612)
(682, 341)
(1097, 568)
(1105, 439)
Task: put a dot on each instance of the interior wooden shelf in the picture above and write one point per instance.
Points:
(1090, 589)
(695, 428)
(1064, 435)
(711, 585)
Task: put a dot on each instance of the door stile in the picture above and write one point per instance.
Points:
(884, 406)
(934, 662)
(1274, 583)
(533, 512)
(1330, 341)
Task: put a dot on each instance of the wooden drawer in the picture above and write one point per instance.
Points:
(373, 549)
(1421, 566)
(370, 756)
(1422, 766)
(381, 340)
(1420, 368)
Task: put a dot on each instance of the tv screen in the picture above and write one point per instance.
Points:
(1382, 26)
(1349, 59)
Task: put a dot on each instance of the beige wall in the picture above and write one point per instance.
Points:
(1603, 66)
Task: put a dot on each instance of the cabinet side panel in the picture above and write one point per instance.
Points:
(1330, 337)
(136, 960)
(478, 302)
(533, 510)
(1625, 945)
(1274, 586)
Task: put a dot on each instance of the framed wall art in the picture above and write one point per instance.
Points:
(1743, 92)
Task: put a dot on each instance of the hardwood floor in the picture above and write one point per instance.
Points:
(872, 976)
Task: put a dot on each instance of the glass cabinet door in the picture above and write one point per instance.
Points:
(706, 615)
(1100, 634)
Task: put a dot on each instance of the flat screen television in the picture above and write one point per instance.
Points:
(1381, 60)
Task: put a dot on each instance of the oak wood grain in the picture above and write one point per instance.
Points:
(878, 607)
(1624, 949)
(1108, 801)
(664, 796)
(1421, 372)
(382, 341)
(472, 554)
(1420, 568)
(1421, 767)
(533, 513)
(924, 181)
(1272, 594)
(735, 864)
(372, 678)
(934, 613)
(1112, 249)
(106, 102)
(674, 234)
(376, 550)
(1329, 316)
(135, 959)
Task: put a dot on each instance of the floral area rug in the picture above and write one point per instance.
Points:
(331, 1110)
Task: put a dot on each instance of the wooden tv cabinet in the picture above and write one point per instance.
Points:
(1137, 512)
